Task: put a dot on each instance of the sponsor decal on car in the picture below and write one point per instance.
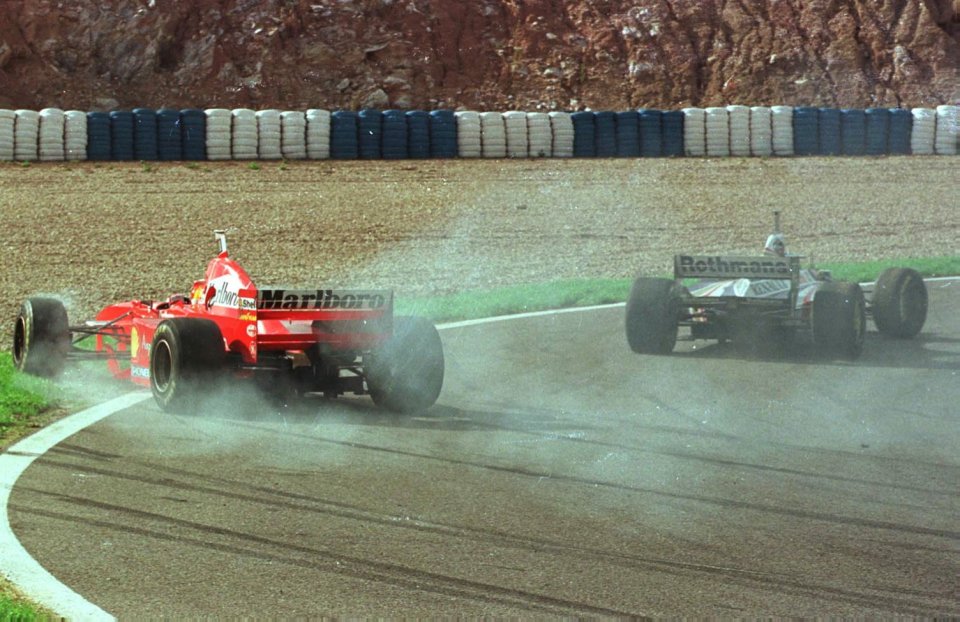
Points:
(321, 299)
(700, 266)
(139, 372)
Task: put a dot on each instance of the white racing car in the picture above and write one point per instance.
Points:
(763, 299)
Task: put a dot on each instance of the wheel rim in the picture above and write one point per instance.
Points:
(162, 366)
(19, 340)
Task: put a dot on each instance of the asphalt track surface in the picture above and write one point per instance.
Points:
(558, 475)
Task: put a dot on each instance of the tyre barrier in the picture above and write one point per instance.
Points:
(923, 131)
(739, 123)
(50, 132)
(853, 132)
(269, 138)
(829, 123)
(901, 122)
(493, 135)
(98, 136)
(651, 132)
(145, 134)
(370, 128)
(169, 134)
(193, 127)
(8, 119)
(443, 134)
(806, 131)
(394, 137)
(605, 133)
(121, 135)
(694, 132)
(627, 134)
(878, 130)
(671, 127)
(469, 134)
(243, 134)
(344, 135)
(318, 133)
(584, 135)
(418, 134)
(717, 131)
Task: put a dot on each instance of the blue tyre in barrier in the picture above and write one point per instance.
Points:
(853, 132)
(443, 134)
(651, 133)
(418, 134)
(344, 137)
(605, 126)
(168, 135)
(370, 123)
(98, 136)
(121, 135)
(901, 127)
(394, 138)
(193, 134)
(627, 134)
(829, 122)
(806, 131)
(672, 127)
(145, 134)
(878, 130)
(584, 136)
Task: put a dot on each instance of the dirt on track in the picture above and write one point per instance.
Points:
(95, 233)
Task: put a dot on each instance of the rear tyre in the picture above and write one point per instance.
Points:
(406, 373)
(41, 337)
(900, 303)
(186, 358)
(651, 321)
(839, 319)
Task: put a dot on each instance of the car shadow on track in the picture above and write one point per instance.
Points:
(926, 351)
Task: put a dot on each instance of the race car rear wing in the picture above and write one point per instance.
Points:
(735, 267)
(282, 303)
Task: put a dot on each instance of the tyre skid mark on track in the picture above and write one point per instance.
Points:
(750, 578)
(356, 567)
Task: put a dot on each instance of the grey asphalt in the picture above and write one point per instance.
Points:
(560, 474)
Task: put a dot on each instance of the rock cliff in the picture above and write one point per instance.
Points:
(479, 54)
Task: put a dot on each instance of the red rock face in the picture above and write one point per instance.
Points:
(479, 54)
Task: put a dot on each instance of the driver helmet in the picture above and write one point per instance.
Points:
(775, 245)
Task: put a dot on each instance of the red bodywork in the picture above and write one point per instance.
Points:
(255, 323)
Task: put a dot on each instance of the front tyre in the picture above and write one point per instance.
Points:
(839, 319)
(900, 303)
(405, 374)
(41, 337)
(186, 357)
(652, 310)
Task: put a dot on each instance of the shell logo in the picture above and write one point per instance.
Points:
(134, 342)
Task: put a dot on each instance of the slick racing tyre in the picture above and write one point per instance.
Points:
(839, 319)
(186, 356)
(900, 303)
(41, 337)
(651, 321)
(406, 373)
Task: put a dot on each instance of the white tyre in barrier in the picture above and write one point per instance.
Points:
(739, 118)
(561, 125)
(26, 135)
(782, 125)
(515, 124)
(293, 126)
(469, 133)
(761, 131)
(923, 132)
(493, 134)
(948, 130)
(694, 132)
(318, 133)
(539, 135)
(718, 131)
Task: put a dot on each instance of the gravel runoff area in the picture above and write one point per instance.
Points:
(95, 233)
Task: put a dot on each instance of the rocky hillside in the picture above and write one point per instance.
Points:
(480, 54)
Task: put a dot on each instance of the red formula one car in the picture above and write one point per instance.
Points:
(298, 341)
